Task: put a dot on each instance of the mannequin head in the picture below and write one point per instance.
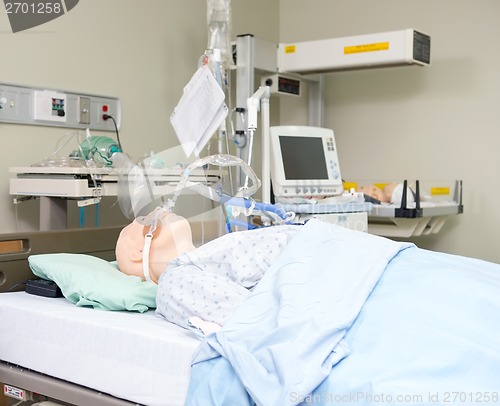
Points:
(391, 193)
(171, 238)
(375, 192)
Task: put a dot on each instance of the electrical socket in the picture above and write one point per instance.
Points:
(83, 110)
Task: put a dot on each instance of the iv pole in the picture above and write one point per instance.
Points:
(260, 101)
(255, 54)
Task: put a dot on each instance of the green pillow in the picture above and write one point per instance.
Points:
(90, 281)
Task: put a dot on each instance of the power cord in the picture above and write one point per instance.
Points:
(16, 286)
(108, 116)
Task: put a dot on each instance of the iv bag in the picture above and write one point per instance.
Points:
(219, 28)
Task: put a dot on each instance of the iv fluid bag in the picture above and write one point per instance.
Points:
(219, 28)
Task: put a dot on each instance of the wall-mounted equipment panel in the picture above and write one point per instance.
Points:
(47, 107)
(394, 48)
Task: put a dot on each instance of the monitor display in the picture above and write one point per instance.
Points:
(304, 162)
(303, 158)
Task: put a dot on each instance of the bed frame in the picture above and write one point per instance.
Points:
(14, 270)
(53, 388)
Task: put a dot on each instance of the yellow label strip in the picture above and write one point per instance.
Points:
(350, 185)
(357, 49)
(440, 191)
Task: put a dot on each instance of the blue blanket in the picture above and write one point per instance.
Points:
(312, 333)
(428, 335)
(283, 341)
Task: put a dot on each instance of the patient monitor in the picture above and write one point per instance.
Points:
(304, 162)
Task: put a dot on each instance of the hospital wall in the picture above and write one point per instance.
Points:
(432, 123)
(144, 53)
(438, 122)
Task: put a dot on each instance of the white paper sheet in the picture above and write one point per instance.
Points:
(200, 111)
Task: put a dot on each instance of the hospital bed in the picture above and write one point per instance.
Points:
(88, 357)
(416, 324)
(79, 355)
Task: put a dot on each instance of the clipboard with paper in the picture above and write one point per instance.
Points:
(200, 111)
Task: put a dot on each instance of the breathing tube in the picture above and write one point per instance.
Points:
(220, 160)
(136, 195)
(241, 203)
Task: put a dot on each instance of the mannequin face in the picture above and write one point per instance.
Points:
(171, 238)
(374, 191)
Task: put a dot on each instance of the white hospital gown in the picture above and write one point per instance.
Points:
(214, 279)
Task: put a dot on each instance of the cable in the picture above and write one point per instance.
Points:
(16, 286)
(105, 117)
(16, 214)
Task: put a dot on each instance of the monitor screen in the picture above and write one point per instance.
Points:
(304, 162)
(303, 157)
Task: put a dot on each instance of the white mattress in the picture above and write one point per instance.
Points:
(138, 357)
